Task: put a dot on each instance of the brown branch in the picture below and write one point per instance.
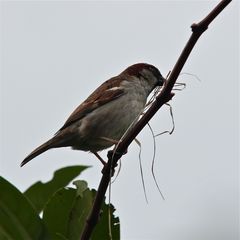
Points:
(164, 96)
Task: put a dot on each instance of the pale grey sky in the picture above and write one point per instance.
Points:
(54, 54)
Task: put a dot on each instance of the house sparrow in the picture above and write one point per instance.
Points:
(102, 119)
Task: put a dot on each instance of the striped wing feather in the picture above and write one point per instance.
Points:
(102, 95)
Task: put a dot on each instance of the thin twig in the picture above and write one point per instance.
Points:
(153, 162)
(141, 169)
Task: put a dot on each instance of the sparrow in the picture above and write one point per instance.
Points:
(103, 118)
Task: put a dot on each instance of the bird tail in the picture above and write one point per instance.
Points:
(39, 150)
(62, 139)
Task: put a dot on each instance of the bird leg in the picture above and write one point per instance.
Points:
(111, 153)
(104, 163)
(99, 157)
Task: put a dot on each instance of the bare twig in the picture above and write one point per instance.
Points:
(163, 97)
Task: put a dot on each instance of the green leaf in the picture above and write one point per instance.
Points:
(57, 212)
(18, 219)
(39, 193)
(102, 230)
(66, 213)
(79, 214)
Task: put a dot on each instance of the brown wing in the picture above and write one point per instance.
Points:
(106, 93)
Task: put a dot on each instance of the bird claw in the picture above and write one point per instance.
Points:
(111, 154)
(112, 171)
